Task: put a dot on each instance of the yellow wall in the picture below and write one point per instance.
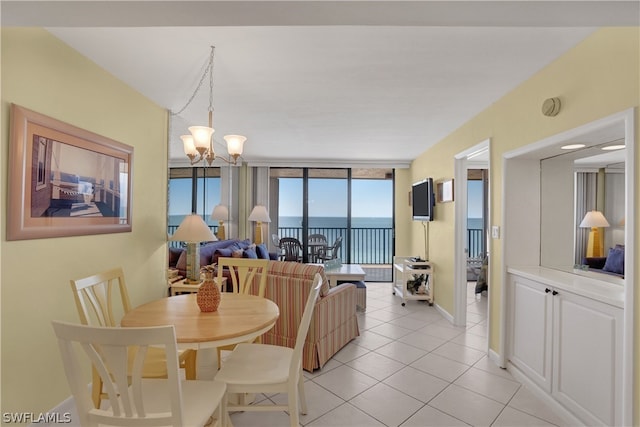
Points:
(43, 74)
(597, 78)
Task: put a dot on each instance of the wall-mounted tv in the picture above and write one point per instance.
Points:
(422, 200)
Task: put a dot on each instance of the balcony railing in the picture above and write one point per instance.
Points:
(365, 245)
(475, 242)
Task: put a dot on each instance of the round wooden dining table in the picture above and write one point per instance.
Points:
(239, 318)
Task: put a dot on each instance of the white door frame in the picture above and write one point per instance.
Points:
(463, 162)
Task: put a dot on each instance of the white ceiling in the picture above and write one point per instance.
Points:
(324, 83)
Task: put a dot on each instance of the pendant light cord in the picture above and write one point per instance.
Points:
(208, 71)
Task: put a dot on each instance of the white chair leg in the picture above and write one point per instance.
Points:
(224, 411)
(294, 415)
(303, 398)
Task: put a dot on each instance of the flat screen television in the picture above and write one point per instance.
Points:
(422, 200)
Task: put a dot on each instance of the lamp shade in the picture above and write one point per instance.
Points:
(189, 146)
(235, 143)
(193, 230)
(220, 213)
(594, 219)
(259, 214)
(201, 136)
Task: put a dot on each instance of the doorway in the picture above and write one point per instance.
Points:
(471, 243)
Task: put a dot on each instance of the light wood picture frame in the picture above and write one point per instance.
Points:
(445, 191)
(65, 181)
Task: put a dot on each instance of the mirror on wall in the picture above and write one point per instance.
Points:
(588, 175)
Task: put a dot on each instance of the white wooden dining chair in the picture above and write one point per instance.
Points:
(265, 368)
(134, 400)
(241, 273)
(94, 297)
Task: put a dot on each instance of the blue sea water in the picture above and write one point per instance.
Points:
(334, 222)
(474, 223)
(314, 222)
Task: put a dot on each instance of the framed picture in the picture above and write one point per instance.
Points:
(445, 191)
(65, 181)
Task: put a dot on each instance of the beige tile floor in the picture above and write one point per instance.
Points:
(411, 367)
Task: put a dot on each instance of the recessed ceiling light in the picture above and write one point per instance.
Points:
(613, 147)
(572, 146)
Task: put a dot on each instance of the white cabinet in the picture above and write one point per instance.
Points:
(530, 330)
(405, 268)
(587, 358)
(569, 345)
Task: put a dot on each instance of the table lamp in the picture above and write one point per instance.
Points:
(259, 214)
(192, 231)
(594, 220)
(221, 214)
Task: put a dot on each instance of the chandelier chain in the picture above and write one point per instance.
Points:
(211, 80)
(208, 71)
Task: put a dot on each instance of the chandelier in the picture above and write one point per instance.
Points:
(198, 145)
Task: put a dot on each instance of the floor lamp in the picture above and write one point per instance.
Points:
(594, 220)
(192, 231)
(221, 214)
(259, 215)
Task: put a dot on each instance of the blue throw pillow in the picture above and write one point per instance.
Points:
(222, 252)
(250, 252)
(615, 261)
(263, 252)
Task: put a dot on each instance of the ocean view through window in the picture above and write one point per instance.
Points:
(355, 204)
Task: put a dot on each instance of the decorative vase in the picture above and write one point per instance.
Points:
(208, 296)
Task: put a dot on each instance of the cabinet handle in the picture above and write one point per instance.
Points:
(547, 290)
(554, 293)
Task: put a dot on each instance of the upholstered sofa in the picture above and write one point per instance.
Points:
(612, 264)
(334, 321)
(210, 252)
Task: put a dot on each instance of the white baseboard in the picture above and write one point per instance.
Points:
(444, 313)
(496, 358)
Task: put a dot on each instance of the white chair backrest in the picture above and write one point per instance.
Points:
(94, 297)
(242, 272)
(303, 328)
(106, 348)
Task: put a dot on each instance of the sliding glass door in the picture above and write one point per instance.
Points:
(355, 205)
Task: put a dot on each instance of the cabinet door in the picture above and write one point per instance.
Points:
(530, 330)
(588, 358)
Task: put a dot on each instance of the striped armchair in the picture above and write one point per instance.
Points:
(334, 321)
